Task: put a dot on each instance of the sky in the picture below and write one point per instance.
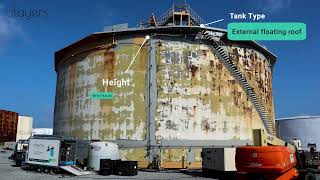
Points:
(27, 46)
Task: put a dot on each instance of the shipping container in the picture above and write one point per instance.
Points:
(8, 125)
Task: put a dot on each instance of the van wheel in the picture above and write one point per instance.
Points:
(310, 176)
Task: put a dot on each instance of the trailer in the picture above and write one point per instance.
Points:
(52, 153)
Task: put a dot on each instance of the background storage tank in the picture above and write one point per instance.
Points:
(183, 94)
(24, 127)
(303, 128)
(8, 125)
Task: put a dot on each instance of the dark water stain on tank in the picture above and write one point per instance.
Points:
(225, 127)
(108, 72)
(171, 125)
(194, 110)
(211, 63)
(236, 128)
(211, 68)
(109, 64)
(219, 67)
(237, 56)
(193, 69)
(185, 57)
(205, 126)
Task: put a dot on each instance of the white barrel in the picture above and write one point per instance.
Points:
(102, 150)
(24, 127)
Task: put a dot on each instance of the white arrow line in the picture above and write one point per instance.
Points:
(203, 25)
(145, 40)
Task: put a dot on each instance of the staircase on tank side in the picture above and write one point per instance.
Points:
(257, 102)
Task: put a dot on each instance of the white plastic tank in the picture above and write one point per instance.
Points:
(102, 150)
(24, 127)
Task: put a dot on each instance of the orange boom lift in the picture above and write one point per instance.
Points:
(270, 159)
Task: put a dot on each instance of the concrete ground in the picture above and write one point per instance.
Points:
(9, 172)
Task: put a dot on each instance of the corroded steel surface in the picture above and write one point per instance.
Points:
(122, 117)
(257, 70)
(8, 125)
(169, 158)
(198, 98)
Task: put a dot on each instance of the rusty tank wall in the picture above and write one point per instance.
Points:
(8, 125)
(257, 70)
(196, 97)
(122, 117)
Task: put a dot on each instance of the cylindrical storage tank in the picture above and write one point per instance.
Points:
(177, 94)
(24, 128)
(8, 125)
(303, 128)
(102, 150)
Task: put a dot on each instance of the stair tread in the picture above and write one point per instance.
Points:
(241, 78)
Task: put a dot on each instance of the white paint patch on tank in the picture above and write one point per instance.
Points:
(140, 130)
(102, 150)
(129, 108)
(92, 106)
(220, 125)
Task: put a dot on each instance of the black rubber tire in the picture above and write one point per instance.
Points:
(18, 163)
(310, 176)
(256, 176)
(206, 172)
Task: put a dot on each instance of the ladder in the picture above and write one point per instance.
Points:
(165, 17)
(206, 35)
(168, 15)
(195, 17)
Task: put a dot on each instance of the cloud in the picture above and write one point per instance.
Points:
(9, 29)
(272, 6)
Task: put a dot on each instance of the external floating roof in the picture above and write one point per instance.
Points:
(59, 55)
(179, 19)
